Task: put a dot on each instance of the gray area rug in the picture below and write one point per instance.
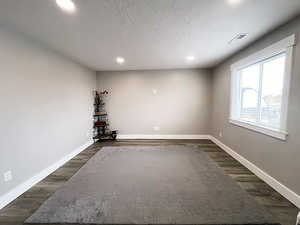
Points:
(151, 185)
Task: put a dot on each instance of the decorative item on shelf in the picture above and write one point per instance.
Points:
(101, 129)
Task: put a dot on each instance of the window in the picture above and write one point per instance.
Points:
(260, 87)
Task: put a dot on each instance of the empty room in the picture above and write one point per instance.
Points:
(150, 112)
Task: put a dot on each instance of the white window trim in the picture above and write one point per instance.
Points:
(265, 130)
(284, 46)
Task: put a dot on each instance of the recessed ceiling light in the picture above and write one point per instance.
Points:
(66, 5)
(234, 2)
(120, 60)
(190, 58)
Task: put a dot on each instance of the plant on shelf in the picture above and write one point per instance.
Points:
(101, 127)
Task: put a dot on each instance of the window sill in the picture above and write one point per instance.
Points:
(264, 130)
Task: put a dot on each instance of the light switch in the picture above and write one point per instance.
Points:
(7, 176)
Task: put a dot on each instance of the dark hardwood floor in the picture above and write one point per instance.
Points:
(21, 208)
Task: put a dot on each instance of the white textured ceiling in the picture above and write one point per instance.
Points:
(149, 34)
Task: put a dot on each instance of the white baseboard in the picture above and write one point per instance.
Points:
(162, 137)
(23, 187)
(282, 189)
(279, 187)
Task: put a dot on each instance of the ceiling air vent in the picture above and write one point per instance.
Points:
(238, 37)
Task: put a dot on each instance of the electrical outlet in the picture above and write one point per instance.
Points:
(156, 128)
(7, 176)
(220, 134)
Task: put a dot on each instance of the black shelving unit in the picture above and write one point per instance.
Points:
(101, 126)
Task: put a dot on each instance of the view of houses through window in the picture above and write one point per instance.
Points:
(260, 91)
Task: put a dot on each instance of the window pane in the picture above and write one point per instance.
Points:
(249, 93)
(272, 86)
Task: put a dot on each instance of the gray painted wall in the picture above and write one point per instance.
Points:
(181, 105)
(45, 107)
(278, 158)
